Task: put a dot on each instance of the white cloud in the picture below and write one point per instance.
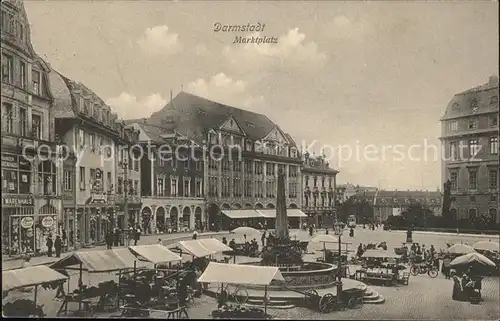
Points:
(343, 28)
(291, 48)
(226, 90)
(129, 107)
(200, 49)
(158, 40)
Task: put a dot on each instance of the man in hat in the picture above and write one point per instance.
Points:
(58, 246)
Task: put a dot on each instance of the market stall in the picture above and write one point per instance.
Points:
(27, 277)
(234, 275)
(106, 293)
(382, 266)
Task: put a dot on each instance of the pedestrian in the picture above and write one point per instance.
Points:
(160, 241)
(58, 246)
(116, 237)
(109, 240)
(71, 239)
(137, 235)
(195, 235)
(263, 238)
(49, 244)
(64, 240)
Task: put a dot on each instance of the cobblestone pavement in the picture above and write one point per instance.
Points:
(424, 298)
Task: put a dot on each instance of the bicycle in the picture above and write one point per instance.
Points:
(432, 271)
(240, 295)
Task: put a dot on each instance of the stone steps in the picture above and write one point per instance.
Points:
(372, 297)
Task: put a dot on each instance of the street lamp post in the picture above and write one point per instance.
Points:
(338, 230)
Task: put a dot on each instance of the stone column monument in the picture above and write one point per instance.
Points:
(281, 215)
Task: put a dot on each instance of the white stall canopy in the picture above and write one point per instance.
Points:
(240, 274)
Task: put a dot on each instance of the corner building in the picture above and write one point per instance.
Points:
(94, 183)
(31, 190)
(470, 136)
(320, 186)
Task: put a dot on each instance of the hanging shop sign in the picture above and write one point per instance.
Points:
(17, 200)
(27, 222)
(47, 221)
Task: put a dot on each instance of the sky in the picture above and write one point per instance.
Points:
(344, 76)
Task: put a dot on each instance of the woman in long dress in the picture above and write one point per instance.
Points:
(457, 289)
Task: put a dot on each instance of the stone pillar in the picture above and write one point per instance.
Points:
(192, 219)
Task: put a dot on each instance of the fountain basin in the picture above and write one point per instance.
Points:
(310, 275)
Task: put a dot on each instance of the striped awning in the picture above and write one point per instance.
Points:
(234, 214)
(290, 212)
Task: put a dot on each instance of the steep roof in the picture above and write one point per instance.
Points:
(194, 116)
(61, 94)
(461, 105)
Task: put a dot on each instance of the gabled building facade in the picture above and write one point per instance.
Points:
(470, 134)
(31, 192)
(239, 154)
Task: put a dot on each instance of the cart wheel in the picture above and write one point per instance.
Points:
(327, 303)
(414, 270)
(241, 296)
(359, 303)
(219, 290)
(433, 273)
(311, 297)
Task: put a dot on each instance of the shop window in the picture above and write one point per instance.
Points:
(18, 235)
(16, 175)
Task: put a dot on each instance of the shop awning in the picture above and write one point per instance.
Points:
(154, 253)
(291, 212)
(240, 274)
(29, 276)
(235, 214)
(100, 261)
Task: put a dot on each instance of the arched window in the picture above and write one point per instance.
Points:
(47, 177)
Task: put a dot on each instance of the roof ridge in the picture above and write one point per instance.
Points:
(225, 105)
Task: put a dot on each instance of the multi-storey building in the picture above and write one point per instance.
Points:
(171, 178)
(387, 203)
(128, 177)
(92, 133)
(471, 163)
(31, 194)
(319, 183)
(241, 153)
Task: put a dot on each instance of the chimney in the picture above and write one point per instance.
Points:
(171, 95)
(493, 80)
(144, 120)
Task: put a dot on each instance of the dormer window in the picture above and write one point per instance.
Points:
(455, 106)
(293, 152)
(202, 112)
(474, 103)
(248, 146)
(81, 104)
(249, 124)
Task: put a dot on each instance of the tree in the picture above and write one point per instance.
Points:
(447, 201)
(417, 215)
